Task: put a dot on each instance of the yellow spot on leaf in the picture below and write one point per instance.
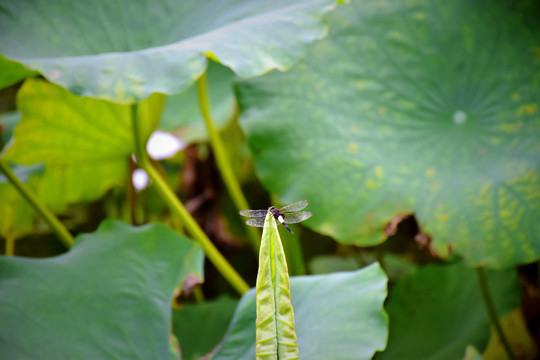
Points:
(419, 16)
(371, 184)
(352, 147)
(382, 110)
(527, 109)
(430, 172)
(484, 189)
(443, 217)
(353, 128)
(515, 97)
(505, 213)
(379, 171)
(120, 90)
(360, 85)
(435, 186)
(328, 229)
(512, 126)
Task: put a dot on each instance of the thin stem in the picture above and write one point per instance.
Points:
(222, 158)
(492, 311)
(57, 227)
(10, 245)
(132, 194)
(198, 294)
(178, 209)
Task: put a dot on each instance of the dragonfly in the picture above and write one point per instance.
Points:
(289, 214)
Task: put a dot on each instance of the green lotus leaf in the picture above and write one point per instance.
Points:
(12, 72)
(109, 297)
(85, 143)
(439, 310)
(200, 327)
(8, 122)
(182, 115)
(416, 107)
(17, 214)
(124, 51)
(337, 316)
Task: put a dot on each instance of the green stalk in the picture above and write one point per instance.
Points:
(178, 209)
(222, 158)
(492, 311)
(10, 245)
(57, 227)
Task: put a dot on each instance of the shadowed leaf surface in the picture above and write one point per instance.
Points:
(439, 310)
(200, 327)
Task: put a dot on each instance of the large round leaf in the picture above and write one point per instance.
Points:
(417, 106)
(337, 316)
(108, 298)
(124, 50)
(438, 311)
(85, 143)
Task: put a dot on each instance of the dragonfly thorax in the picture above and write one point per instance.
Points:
(274, 211)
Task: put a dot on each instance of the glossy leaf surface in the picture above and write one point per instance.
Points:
(416, 107)
(107, 49)
(107, 298)
(337, 315)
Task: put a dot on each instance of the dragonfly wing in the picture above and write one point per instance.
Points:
(296, 217)
(257, 222)
(253, 213)
(299, 205)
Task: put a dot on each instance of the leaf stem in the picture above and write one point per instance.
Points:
(57, 227)
(486, 294)
(222, 158)
(221, 264)
(10, 245)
